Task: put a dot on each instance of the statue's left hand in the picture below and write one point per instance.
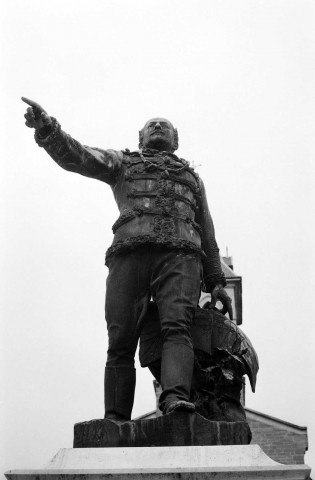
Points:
(219, 294)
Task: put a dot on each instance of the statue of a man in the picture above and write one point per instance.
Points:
(164, 249)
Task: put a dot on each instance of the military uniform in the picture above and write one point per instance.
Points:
(163, 248)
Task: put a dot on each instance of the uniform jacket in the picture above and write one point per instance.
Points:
(161, 200)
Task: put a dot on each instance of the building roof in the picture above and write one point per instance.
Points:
(228, 272)
(250, 414)
(263, 417)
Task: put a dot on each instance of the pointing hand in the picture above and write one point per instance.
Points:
(36, 116)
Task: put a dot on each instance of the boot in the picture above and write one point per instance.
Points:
(176, 375)
(120, 385)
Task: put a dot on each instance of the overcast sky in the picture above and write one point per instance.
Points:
(237, 80)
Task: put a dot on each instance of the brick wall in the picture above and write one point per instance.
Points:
(282, 444)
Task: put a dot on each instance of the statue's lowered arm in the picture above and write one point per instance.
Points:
(67, 152)
(214, 278)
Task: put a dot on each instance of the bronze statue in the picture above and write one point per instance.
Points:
(164, 249)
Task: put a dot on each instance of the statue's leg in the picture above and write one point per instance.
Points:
(127, 296)
(176, 290)
(119, 389)
(176, 376)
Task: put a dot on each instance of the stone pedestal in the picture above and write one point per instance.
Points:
(237, 462)
(174, 429)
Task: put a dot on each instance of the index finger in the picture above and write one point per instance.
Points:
(214, 295)
(230, 310)
(31, 103)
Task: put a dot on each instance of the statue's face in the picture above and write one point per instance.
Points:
(160, 134)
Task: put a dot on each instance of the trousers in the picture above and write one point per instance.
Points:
(172, 280)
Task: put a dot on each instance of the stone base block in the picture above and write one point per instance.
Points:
(175, 429)
(237, 462)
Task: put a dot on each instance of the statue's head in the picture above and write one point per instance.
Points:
(160, 134)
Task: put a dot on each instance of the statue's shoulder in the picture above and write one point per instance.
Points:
(130, 158)
(184, 162)
(129, 153)
(190, 168)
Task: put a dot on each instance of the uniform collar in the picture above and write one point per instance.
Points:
(152, 152)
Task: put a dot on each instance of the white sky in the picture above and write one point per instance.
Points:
(237, 79)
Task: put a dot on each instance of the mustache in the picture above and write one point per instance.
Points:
(158, 130)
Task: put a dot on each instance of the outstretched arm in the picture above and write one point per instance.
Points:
(214, 278)
(103, 165)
